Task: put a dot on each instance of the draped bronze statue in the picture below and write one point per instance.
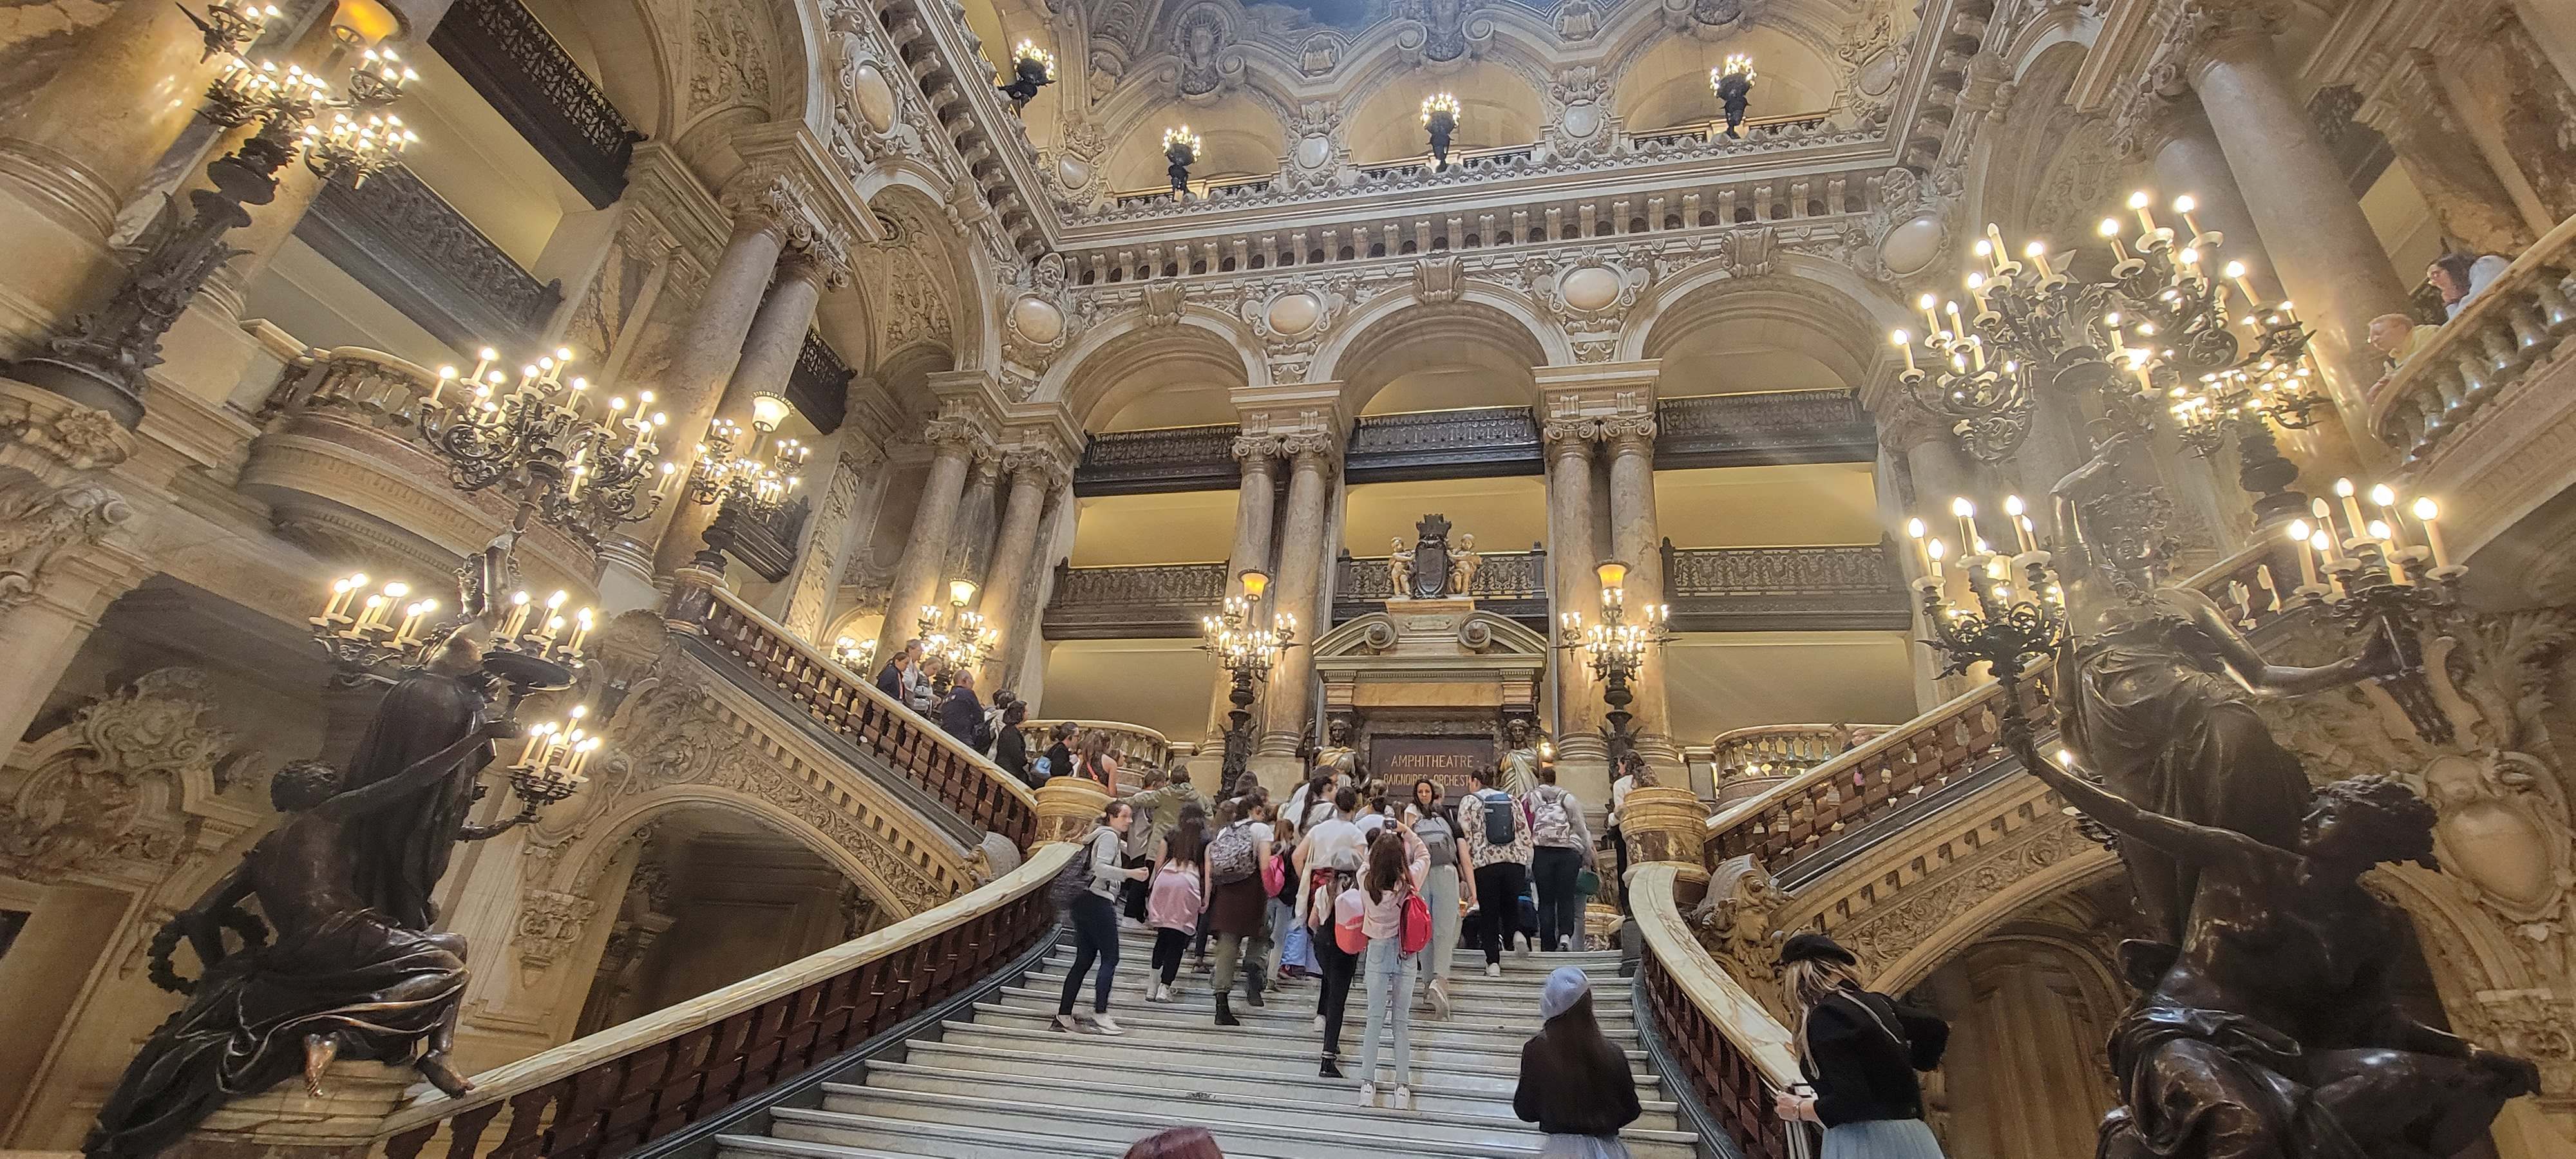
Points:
(2268, 1025)
(354, 969)
(2156, 687)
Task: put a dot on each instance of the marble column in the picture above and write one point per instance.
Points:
(955, 443)
(1256, 502)
(702, 353)
(1636, 539)
(2185, 158)
(2441, 156)
(769, 351)
(2328, 259)
(1572, 549)
(73, 149)
(1303, 555)
(1015, 550)
(970, 545)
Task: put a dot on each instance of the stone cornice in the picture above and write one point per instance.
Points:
(659, 185)
(786, 149)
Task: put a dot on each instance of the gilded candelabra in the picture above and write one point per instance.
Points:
(2371, 573)
(1246, 641)
(750, 480)
(1032, 68)
(1440, 118)
(1617, 650)
(953, 638)
(2003, 609)
(1732, 81)
(576, 464)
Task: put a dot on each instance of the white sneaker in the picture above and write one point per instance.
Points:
(1157, 993)
(1368, 1094)
(1493, 969)
(1102, 1024)
(1402, 1099)
(1065, 1023)
(1319, 1024)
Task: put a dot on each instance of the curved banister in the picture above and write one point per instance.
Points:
(609, 1093)
(2459, 368)
(847, 704)
(1736, 1054)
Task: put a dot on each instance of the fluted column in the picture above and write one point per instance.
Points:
(1572, 549)
(2338, 274)
(1255, 503)
(1636, 538)
(956, 443)
(1303, 554)
(769, 352)
(1033, 473)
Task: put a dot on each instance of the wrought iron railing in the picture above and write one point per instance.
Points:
(1503, 575)
(620, 1090)
(505, 52)
(405, 243)
(1165, 459)
(1498, 440)
(820, 384)
(1782, 426)
(1859, 569)
(1144, 600)
(845, 703)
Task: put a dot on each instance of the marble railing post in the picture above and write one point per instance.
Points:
(701, 353)
(1015, 548)
(774, 338)
(1636, 538)
(2338, 274)
(1303, 555)
(956, 442)
(1256, 503)
(1572, 551)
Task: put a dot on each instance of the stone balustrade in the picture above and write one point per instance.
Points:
(1137, 747)
(2517, 324)
(1747, 761)
(1734, 1053)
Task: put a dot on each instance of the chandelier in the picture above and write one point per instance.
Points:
(355, 143)
(1732, 81)
(2003, 609)
(373, 635)
(1440, 117)
(1247, 642)
(1032, 68)
(858, 656)
(576, 465)
(1180, 151)
(750, 489)
(1616, 649)
(954, 639)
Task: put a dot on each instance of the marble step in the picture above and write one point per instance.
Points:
(1300, 1008)
(1435, 1091)
(1318, 1113)
(1172, 1029)
(1532, 966)
(1198, 1081)
(1399, 1133)
(1468, 988)
(1518, 1008)
(1464, 1071)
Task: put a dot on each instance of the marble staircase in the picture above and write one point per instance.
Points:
(1003, 1083)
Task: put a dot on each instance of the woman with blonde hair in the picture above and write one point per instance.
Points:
(1859, 1050)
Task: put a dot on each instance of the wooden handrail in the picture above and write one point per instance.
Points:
(1736, 1053)
(850, 706)
(610, 1093)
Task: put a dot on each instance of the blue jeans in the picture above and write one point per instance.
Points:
(1095, 935)
(1390, 994)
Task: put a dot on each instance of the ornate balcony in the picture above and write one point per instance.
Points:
(1152, 601)
(1744, 589)
(1748, 760)
(1137, 747)
(501, 49)
(410, 247)
(1509, 583)
(2486, 412)
(1167, 459)
(1445, 444)
(1785, 426)
(343, 472)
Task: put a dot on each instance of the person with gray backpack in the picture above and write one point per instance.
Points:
(1087, 889)
(1445, 889)
(1562, 850)
(1498, 847)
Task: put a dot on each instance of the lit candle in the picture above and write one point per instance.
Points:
(2021, 526)
(536, 741)
(2184, 205)
(1931, 320)
(2300, 533)
(485, 357)
(1977, 290)
(2354, 526)
(2396, 571)
(581, 622)
(2140, 201)
(2235, 272)
(342, 591)
(1905, 342)
(2426, 512)
(2111, 232)
(1932, 551)
(367, 615)
(411, 620)
(2386, 497)
(517, 618)
(2323, 544)
(2324, 514)
(1914, 530)
(444, 374)
(1967, 513)
(2037, 252)
(1995, 238)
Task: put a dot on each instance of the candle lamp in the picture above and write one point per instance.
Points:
(1180, 151)
(1440, 118)
(953, 638)
(1032, 68)
(1732, 81)
(1246, 641)
(579, 464)
(1616, 647)
(554, 763)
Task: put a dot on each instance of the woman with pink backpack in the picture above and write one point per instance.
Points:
(1397, 925)
(1174, 898)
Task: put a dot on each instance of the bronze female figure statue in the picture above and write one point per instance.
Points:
(2156, 686)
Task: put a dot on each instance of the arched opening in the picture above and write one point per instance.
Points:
(1667, 84)
(1496, 107)
(1444, 357)
(1734, 338)
(1182, 376)
(1238, 138)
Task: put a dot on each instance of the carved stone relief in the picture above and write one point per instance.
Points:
(729, 56)
(120, 791)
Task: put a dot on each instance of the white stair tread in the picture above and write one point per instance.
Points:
(1430, 1082)
(1158, 1026)
(1244, 1054)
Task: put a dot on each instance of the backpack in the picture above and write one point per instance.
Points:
(1230, 855)
(1502, 820)
(1274, 876)
(1548, 823)
(1174, 902)
(1072, 880)
(1348, 910)
(1435, 835)
(1417, 924)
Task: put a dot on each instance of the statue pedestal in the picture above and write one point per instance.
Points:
(344, 1120)
(1068, 808)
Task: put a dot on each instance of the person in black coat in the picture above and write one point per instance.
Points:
(1859, 1051)
(1010, 748)
(1059, 755)
(1575, 1084)
(962, 715)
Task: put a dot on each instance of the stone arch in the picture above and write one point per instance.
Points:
(1116, 364)
(960, 273)
(627, 31)
(2049, 172)
(1991, 911)
(1665, 81)
(1836, 318)
(583, 857)
(1502, 102)
(1492, 320)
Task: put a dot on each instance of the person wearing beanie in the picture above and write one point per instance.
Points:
(1858, 1050)
(1574, 1083)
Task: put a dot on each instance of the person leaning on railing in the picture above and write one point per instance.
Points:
(1859, 1050)
(2400, 337)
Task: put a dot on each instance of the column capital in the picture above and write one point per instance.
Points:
(2215, 32)
(959, 436)
(1318, 449)
(1629, 434)
(1570, 438)
(820, 262)
(1039, 467)
(1255, 452)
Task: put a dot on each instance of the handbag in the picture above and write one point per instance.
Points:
(1274, 876)
(1587, 883)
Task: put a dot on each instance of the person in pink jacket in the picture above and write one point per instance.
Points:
(1397, 863)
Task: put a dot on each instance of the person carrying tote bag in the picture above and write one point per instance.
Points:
(1859, 1050)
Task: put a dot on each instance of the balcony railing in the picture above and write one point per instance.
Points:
(1165, 459)
(1735, 1055)
(1706, 131)
(2484, 354)
(501, 49)
(408, 246)
(820, 384)
(1508, 583)
(1148, 601)
(1746, 759)
(1735, 589)
(848, 705)
(1740, 430)
(1445, 444)
(1799, 815)
(619, 1091)
(1137, 747)
(1214, 188)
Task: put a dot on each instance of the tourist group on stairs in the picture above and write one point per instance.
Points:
(1344, 885)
